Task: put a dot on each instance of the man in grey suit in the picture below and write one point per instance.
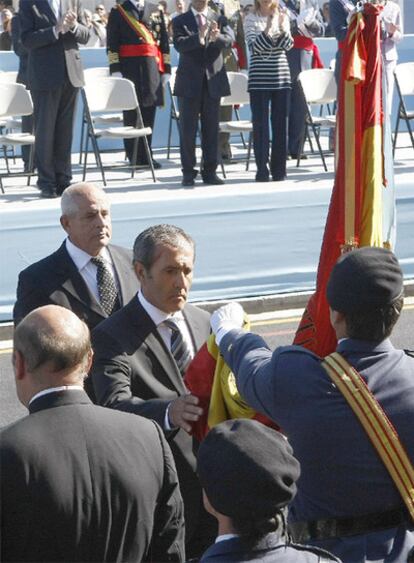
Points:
(79, 482)
(70, 277)
(51, 31)
(142, 351)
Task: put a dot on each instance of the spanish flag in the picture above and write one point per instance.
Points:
(211, 380)
(355, 216)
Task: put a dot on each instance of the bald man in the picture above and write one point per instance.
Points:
(67, 489)
(71, 276)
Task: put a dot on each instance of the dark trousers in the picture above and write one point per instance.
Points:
(278, 103)
(207, 108)
(130, 118)
(299, 59)
(27, 127)
(53, 125)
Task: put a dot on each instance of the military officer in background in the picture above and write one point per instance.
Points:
(235, 59)
(305, 23)
(138, 49)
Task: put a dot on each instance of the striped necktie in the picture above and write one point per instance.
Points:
(179, 348)
(108, 293)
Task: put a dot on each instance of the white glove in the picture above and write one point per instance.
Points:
(165, 78)
(116, 75)
(225, 319)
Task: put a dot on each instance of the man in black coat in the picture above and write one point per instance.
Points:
(79, 482)
(141, 354)
(200, 35)
(51, 31)
(68, 277)
(138, 49)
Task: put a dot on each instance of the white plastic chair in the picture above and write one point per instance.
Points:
(404, 81)
(239, 96)
(109, 95)
(15, 100)
(91, 74)
(318, 88)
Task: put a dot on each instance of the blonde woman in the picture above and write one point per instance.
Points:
(267, 32)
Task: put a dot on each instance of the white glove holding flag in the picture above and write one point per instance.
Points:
(226, 318)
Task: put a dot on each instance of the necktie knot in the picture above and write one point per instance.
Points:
(108, 293)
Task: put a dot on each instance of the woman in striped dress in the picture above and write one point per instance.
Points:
(267, 32)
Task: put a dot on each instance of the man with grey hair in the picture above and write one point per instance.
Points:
(67, 489)
(86, 274)
(141, 354)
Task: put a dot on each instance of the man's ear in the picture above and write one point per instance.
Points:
(64, 221)
(139, 270)
(19, 364)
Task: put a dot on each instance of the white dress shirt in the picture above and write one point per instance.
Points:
(158, 317)
(87, 269)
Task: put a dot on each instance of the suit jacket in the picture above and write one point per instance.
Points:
(50, 58)
(341, 473)
(56, 280)
(134, 371)
(270, 549)
(83, 483)
(196, 60)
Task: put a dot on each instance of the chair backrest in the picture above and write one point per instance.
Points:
(14, 100)
(404, 75)
(95, 72)
(238, 90)
(318, 85)
(8, 76)
(110, 94)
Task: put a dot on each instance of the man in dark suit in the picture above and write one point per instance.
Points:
(141, 354)
(68, 277)
(51, 31)
(79, 482)
(138, 49)
(200, 35)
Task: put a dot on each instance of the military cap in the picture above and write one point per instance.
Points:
(247, 469)
(364, 279)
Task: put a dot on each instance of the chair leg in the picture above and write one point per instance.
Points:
(410, 131)
(249, 151)
(98, 157)
(149, 157)
(169, 136)
(319, 147)
(1, 186)
(134, 157)
(86, 157)
(81, 138)
(397, 124)
(222, 169)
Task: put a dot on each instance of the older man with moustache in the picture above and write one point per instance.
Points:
(87, 274)
(67, 489)
(141, 354)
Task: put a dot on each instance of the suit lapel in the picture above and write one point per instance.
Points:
(146, 328)
(125, 275)
(74, 284)
(196, 328)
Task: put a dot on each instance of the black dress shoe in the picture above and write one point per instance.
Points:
(157, 165)
(212, 179)
(48, 194)
(302, 156)
(262, 177)
(188, 181)
(279, 178)
(61, 189)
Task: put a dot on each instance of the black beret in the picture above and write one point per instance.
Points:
(247, 469)
(364, 279)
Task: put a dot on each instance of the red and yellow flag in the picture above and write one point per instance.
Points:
(356, 206)
(211, 380)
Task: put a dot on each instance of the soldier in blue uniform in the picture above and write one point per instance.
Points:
(347, 502)
(138, 49)
(248, 474)
(339, 11)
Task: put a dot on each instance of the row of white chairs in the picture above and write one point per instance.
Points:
(104, 99)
